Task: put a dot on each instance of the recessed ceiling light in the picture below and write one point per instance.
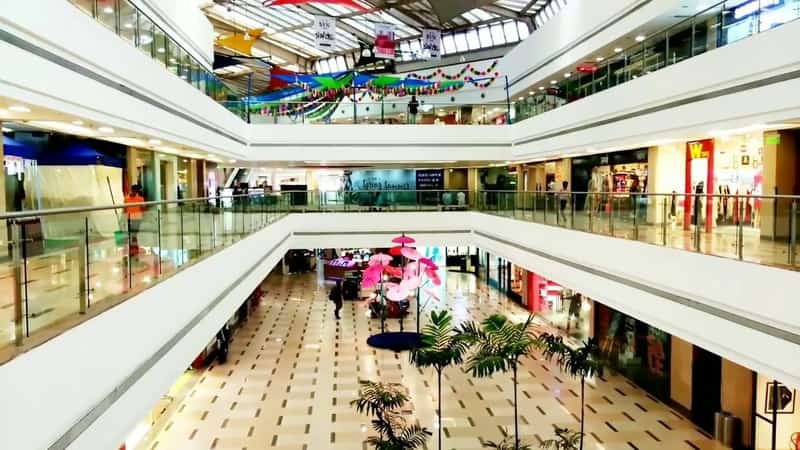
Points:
(128, 25)
(553, 81)
(108, 10)
(541, 88)
(599, 58)
(530, 93)
(567, 75)
(232, 161)
(19, 108)
(640, 38)
(105, 130)
(160, 50)
(77, 122)
(618, 50)
(521, 98)
(185, 160)
(154, 141)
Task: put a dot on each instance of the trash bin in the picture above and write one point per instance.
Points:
(732, 432)
(719, 423)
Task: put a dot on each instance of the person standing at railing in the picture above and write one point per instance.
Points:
(413, 110)
(135, 214)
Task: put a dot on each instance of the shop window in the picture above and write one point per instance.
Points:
(174, 57)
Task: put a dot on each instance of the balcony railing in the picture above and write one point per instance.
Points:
(723, 23)
(65, 265)
(128, 22)
(716, 26)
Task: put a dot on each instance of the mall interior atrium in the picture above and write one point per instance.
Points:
(400, 224)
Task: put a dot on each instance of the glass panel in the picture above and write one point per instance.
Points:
(498, 37)
(174, 56)
(160, 45)
(679, 42)
(449, 43)
(127, 21)
(461, 42)
(86, 6)
(511, 31)
(472, 39)
(146, 33)
(485, 36)
(524, 32)
(107, 14)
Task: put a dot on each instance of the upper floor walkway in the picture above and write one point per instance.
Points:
(666, 86)
(174, 272)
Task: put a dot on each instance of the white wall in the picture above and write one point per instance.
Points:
(185, 22)
(379, 143)
(95, 357)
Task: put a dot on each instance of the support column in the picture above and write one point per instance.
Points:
(780, 173)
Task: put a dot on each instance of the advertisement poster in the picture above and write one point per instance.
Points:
(385, 41)
(432, 44)
(324, 32)
(381, 188)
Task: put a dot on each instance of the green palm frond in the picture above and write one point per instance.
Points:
(581, 362)
(376, 398)
(506, 444)
(565, 439)
(440, 344)
(499, 344)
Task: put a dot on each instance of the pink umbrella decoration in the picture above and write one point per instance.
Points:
(414, 276)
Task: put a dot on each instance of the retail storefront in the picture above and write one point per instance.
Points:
(462, 259)
(562, 308)
(621, 173)
(635, 349)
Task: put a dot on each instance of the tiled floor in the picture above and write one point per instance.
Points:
(292, 372)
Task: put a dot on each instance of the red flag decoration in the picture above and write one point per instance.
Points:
(350, 3)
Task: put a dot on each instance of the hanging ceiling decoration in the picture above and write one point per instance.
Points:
(351, 3)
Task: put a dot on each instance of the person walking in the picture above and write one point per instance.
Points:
(563, 200)
(336, 297)
(413, 110)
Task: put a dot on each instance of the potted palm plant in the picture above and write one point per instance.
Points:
(499, 346)
(506, 444)
(565, 439)
(582, 362)
(384, 401)
(440, 347)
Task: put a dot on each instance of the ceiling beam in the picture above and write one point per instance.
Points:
(530, 5)
(503, 12)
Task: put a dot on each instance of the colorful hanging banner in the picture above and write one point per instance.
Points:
(432, 44)
(385, 41)
(324, 32)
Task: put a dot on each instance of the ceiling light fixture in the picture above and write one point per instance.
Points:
(160, 50)
(599, 58)
(19, 109)
(108, 10)
(541, 88)
(77, 122)
(105, 130)
(7, 130)
(640, 38)
(232, 161)
(618, 50)
(521, 98)
(553, 81)
(567, 75)
(154, 141)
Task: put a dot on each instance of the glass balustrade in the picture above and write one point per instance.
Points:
(713, 27)
(61, 266)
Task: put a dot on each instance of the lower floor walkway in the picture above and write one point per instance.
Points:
(293, 370)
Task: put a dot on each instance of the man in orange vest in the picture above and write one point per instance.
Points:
(135, 214)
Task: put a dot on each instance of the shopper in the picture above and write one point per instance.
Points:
(336, 297)
(413, 110)
(135, 214)
(563, 200)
